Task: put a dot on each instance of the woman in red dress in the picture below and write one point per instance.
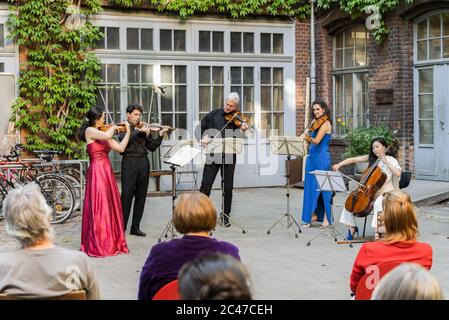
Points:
(102, 232)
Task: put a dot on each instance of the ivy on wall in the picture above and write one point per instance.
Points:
(56, 83)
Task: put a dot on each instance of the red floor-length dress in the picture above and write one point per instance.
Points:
(102, 232)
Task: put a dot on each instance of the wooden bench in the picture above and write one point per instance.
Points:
(157, 174)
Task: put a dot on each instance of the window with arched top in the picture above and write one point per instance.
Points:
(350, 75)
(432, 37)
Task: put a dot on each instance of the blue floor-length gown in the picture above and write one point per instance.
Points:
(318, 159)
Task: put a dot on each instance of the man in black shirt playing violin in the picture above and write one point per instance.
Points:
(136, 167)
(212, 125)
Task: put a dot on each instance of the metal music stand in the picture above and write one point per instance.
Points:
(331, 181)
(225, 146)
(285, 145)
(178, 155)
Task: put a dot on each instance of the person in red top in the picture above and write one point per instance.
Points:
(400, 243)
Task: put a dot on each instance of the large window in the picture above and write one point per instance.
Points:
(350, 80)
(432, 37)
(174, 99)
(272, 100)
(425, 107)
(211, 89)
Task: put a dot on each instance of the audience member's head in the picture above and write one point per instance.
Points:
(409, 281)
(194, 212)
(214, 276)
(401, 223)
(27, 215)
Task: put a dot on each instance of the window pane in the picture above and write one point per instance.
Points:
(446, 24)
(217, 97)
(167, 119)
(2, 67)
(278, 77)
(426, 131)
(278, 98)
(180, 40)
(165, 40)
(422, 50)
(248, 75)
(146, 40)
(133, 73)
(147, 73)
(265, 75)
(218, 41)
(101, 42)
(426, 81)
(217, 75)
(204, 99)
(435, 49)
(180, 74)
(422, 29)
(113, 38)
(204, 75)
(279, 123)
(2, 36)
(349, 38)
(236, 75)
(265, 42)
(348, 98)
(132, 39)
(339, 40)
(180, 98)
(166, 74)
(360, 56)
(278, 43)
(204, 41)
(426, 106)
(101, 97)
(434, 26)
(113, 73)
(265, 122)
(102, 73)
(248, 42)
(248, 99)
(265, 103)
(349, 57)
(237, 89)
(445, 47)
(339, 58)
(360, 36)
(236, 42)
(167, 100)
(134, 94)
(181, 120)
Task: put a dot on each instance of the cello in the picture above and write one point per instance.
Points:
(360, 201)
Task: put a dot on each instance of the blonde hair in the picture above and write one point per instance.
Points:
(409, 281)
(194, 212)
(401, 223)
(28, 215)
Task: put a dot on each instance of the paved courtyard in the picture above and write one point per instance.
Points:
(281, 266)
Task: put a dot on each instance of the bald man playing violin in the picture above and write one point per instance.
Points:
(136, 167)
(211, 125)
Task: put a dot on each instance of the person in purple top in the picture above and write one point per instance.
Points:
(194, 216)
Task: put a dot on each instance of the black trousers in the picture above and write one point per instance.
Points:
(135, 177)
(210, 172)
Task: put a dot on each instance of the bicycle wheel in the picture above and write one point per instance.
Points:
(59, 195)
(76, 188)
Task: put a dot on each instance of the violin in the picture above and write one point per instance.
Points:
(120, 127)
(314, 125)
(237, 118)
(153, 126)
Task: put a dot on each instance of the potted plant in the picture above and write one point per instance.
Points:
(359, 143)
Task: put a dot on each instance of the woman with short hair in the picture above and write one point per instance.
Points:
(195, 217)
(409, 281)
(40, 269)
(401, 239)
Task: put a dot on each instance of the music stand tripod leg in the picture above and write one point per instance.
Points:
(170, 228)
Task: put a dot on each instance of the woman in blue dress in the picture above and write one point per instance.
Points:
(318, 202)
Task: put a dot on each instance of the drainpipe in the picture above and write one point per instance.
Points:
(312, 52)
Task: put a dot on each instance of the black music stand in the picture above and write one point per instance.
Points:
(331, 181)
(178, 155)
(225, 146)
(284, 145)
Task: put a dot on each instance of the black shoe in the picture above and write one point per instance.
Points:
(138, 233)
(226, 222)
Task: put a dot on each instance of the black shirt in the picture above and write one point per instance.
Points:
(139, 144)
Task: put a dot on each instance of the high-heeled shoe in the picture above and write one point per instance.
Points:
(350, 235)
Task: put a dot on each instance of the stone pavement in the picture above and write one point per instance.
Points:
(281, 266)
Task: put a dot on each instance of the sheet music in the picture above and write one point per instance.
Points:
(183, 156)
(330, 180)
